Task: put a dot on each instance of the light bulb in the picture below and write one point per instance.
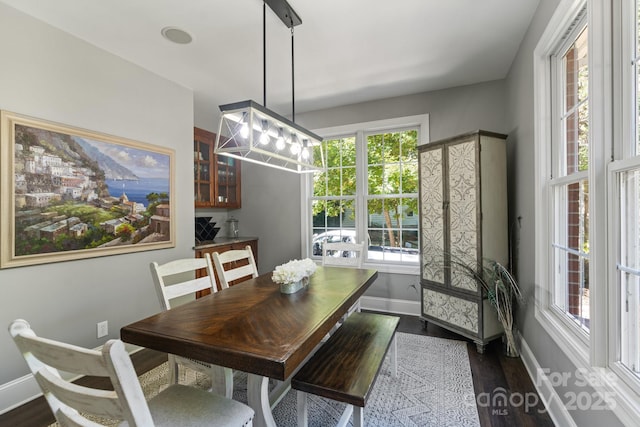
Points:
(280, 140)
(305, 149)
(295, 145)
(264, 136)
(244, 130)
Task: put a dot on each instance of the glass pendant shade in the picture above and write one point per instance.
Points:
(248, 131)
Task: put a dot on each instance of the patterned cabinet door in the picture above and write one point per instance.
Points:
(432, 215)
(463, 213)
(459, 312)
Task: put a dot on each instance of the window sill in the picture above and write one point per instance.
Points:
(413, 270)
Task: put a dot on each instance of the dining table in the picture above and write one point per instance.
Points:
(254, 328)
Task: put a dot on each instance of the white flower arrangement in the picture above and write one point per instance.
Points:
(293, 271)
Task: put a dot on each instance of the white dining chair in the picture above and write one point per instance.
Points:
(173, 281)
(78, 405)
(236, 264)
(344, 254)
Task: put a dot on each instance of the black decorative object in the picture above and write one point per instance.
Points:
(205, 229)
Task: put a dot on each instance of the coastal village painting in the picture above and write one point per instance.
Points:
(75, 194)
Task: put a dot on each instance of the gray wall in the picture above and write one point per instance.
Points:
(520, 119)
(49, 74)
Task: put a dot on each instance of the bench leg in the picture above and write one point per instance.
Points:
(394, 357)
(303, 409)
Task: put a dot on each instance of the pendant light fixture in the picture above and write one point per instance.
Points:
(252, 132)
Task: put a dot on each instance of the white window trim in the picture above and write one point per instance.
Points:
(420, 121)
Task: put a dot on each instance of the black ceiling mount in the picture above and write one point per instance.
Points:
(285, 12)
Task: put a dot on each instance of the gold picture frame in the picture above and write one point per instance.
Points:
(68, 193)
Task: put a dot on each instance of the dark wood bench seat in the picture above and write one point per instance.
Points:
(346, 366)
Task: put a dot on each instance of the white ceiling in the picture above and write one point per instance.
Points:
(346, 51)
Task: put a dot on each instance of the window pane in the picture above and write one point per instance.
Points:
(576, 72)
(333, 182)
(332, 152)
(349, 151)
(571, 251)
(576, 113)
(577, 140)
(390, 183)
(348, 184)
(409, 146)
(409, 178)
(333, 221)
(375, 150)
(375, 177)
(320, 184)
(319, 209)
(392, 228)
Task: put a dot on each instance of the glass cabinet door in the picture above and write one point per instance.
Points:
(202, 172)
(228, 182)
(216, 178)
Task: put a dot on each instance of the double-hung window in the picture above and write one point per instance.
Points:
(369, 192)
(568, 180)
(563, 195)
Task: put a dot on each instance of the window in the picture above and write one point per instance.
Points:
(569, 183)
(563, 156)
(369, 191)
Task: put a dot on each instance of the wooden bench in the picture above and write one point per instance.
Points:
(346, 366)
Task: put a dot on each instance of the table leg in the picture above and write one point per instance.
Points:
(258, 399)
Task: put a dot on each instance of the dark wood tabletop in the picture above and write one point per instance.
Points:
(253, 327)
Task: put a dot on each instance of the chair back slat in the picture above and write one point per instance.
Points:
(101, 403)
(343, 254)
(188, 287)
(235, 264)
(40, 352)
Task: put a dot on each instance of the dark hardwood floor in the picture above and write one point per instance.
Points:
(504, 392)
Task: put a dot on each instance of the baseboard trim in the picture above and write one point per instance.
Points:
(389, 305)
(18, 392)
(550, 398)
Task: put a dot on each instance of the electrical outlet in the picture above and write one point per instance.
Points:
(103, 329)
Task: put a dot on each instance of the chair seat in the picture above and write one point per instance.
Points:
(185, 406)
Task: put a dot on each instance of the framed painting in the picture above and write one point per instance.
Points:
(68, 193)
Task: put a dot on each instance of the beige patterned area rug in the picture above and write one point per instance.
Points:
(434, 387)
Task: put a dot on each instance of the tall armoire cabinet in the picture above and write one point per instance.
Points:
(463, 220)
